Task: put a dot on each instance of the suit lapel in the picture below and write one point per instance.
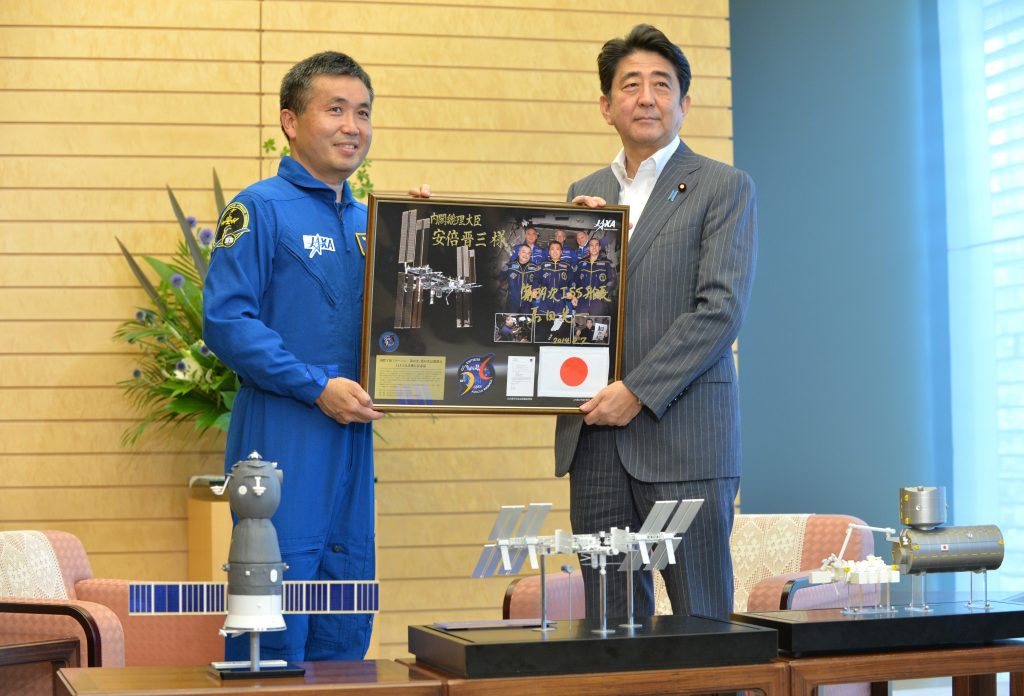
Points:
(681, 168)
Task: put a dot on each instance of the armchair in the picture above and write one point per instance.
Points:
(47, 590)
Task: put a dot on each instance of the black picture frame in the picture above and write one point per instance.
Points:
(453, 322)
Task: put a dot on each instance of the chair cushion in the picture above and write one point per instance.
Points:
(29, 568)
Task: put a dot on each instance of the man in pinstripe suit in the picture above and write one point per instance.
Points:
(670, 428)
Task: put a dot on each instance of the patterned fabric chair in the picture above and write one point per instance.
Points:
(47, 591)
(771, 555)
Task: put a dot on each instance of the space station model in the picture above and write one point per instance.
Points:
(417, 280)
(256, 596)
(922, 547)
(925, 546)
(652, 546)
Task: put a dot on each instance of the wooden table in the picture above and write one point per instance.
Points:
(973, 669)
(350, 678)
(770, 678)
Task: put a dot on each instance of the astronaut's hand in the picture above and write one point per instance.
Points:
(613, 405)
(346, 402)
(590, 201)
(422, 192)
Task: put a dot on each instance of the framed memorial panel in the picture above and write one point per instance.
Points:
(470, 307)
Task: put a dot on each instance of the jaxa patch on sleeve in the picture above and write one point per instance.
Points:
(234, 222)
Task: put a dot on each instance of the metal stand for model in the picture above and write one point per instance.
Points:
(654, 545)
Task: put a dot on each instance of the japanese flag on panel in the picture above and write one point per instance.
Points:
(571, 371)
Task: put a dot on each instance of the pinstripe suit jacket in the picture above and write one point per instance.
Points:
(689, 271)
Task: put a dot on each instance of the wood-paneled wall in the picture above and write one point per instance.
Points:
(104, 103)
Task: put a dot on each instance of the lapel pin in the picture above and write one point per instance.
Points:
(679, 189)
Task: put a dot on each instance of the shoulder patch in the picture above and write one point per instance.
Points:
(234, 222)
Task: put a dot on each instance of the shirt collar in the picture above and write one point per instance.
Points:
(660, 158)
(290, 170)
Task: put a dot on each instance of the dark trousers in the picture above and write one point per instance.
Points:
(603, 495)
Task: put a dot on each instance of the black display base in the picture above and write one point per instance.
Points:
(824, 631)
(661, 642)
(289, 670)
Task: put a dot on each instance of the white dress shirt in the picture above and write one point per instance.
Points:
(636, 191)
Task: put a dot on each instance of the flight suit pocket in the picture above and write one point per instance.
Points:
(315, 274)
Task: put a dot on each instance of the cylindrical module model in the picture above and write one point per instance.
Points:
(255, 570)
(923, 507)
(949, 550)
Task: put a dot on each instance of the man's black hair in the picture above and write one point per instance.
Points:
(643, 37)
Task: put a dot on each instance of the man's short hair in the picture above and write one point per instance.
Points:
(297, 82)
(554, 242)
(643, 37)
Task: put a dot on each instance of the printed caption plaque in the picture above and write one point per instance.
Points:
(471, 307)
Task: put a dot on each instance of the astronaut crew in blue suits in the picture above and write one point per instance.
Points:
(283, 308)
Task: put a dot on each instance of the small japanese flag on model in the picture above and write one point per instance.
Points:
(571, 371)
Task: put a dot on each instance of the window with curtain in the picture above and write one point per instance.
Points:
(982, 47)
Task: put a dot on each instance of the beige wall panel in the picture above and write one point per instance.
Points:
(506, 180)
(459, 496)
(76, 237)
(483, 83)
(142, 567)
(29, 437)
(126, 76)
(106, 403)
(521, 55)
(127, 140)
(443, 561)
(534, 462)
(657, 8)
(63, 371)
(122, 466)
(130, 172)
(496, 148)
(511, 431)
(396, 531)
(113, 205)
(80, 42)
(412, 595)
(73, 304)
(233, 14)
(43, 270)
(424, 115)
(504, 22)
(92, 503)
(60, 337)
(104, 536)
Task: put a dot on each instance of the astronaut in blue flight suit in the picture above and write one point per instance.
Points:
(595, 282)
(537, 253)
(556, 283)
(519, 280)
(574, 256)
(283, 308)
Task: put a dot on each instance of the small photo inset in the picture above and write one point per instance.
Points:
(553, 330)
(590, 329)
(513, 328)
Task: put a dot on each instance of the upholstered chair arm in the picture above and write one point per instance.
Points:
(184, 640)
(95, 625)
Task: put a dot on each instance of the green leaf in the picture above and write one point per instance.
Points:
(218, 196)
(141, 277)
(223, 421)
(190, 241)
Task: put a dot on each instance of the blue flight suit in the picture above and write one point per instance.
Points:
(283, 307)
(517, 277)
(556, 281)
(595, 285)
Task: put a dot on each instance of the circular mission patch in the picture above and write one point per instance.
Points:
(234, 222)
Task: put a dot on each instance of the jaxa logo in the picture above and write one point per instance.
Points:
(476, 374)
(317, 244)
(608, 224)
